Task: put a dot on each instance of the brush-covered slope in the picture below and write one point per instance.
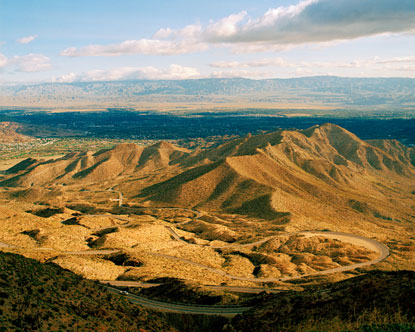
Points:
(103, 165)
(10, 133)
(13, 132)
(45, 297)
(377, 301)
(284, 171)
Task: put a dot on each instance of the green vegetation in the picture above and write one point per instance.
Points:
(49, 147)
(45, 297)
(177, 291)
(377, 301)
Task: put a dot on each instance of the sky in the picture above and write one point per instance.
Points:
(95, 40)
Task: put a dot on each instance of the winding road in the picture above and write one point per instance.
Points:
(120, 196)
(350, 238)
(181, 308)
(368, 243)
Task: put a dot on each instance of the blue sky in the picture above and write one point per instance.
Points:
(91, 40)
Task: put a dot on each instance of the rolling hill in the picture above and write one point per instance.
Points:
(12, 132)
(9, 133)
(94, 167)
(321, 172)
(289, 172)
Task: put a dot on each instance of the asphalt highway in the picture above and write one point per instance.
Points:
(368, 243)
(181, 308)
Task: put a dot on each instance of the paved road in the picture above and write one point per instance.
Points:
(351, 238)
(109, 216)
(182, 308)
(233, 245)
(120, 196)
(6, 245)
(237, 289)
(127, 283)
(198, 214)
(92, 252)
(371, 244)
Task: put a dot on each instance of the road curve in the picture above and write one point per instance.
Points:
(182, 308)
(198, 214)
(370, 244)
(6, 245)
(120, 196)
(232, 311)
(236, 289)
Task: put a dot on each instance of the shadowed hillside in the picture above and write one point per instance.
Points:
(44, 297)
(9, 132)
(377, 301)
(12, 132)
(323, 172)
(285, 171)
(125, 158)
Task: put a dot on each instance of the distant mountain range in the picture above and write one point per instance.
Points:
(323, 89)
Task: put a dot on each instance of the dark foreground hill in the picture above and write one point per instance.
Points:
(377, 301)
(45, 297)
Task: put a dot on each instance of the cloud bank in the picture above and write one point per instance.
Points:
(320, 21)
(3, 60)
(142, 46)
(31, 63)
(173, 72)
(310, 21)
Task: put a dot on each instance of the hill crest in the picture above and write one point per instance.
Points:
(321, 172)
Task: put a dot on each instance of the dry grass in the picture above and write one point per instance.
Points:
(90, 267)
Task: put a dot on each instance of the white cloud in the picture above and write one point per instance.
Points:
(317, 22)
(3, 60)
(267, 62)
(142, 46)
(405, 68)
(31, 62)
(398, 60)
(242, 48)
(225, 27)
(239, 73)
(173, 72)
(163, 33)
(277, 67)
(323, 21)
(27, 40)
(227, 64)
(67, 78)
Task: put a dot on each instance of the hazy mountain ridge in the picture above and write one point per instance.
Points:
(349, 91)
